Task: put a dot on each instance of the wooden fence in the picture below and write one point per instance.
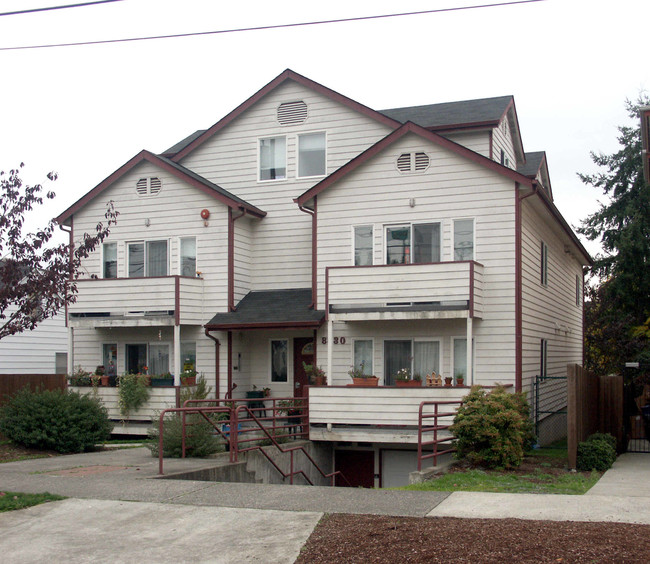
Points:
(595, 405)
(11, 383)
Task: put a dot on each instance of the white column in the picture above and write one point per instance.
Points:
(470, 372)
(177, 355)
(330, 336)
(70, 350)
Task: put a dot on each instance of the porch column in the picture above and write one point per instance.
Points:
(330, 336)
(177, 355)
(470, 373)
(70, 350)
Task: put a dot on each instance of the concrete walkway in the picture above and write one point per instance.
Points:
(183, 520)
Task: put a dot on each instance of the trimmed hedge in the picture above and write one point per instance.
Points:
(598, 452)
(55, 420)
(493, 429)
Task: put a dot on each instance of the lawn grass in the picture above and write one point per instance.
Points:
(543, 474)
(15, 500)
(494, 481)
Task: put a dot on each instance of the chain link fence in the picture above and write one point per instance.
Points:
(549, 407)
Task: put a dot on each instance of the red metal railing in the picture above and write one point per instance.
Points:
(435, 429)
(289, 418)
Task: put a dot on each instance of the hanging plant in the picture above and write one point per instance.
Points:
(133, 392)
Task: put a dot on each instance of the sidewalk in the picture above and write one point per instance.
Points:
(182, 520)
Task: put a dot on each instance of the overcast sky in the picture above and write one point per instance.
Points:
(84, 111)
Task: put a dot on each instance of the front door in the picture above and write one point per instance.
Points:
(303, 351)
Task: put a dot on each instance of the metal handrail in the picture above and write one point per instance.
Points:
(231, 408)
(434, 428)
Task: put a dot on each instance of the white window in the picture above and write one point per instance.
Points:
(417, 243)
(147, 259)
(311, 155)
(363, 355)
(459, 352)
(363, 247)
(154, 357)
(544, 264)
(188, 256)
(543, 358)
(419, 357)
(159, 358)
(188, 355)
(109, 269)
(279, 360)
(273, 158)
(463, 239)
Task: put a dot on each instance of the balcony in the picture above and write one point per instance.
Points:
(137, 302)
(368, 414)
(442, 290)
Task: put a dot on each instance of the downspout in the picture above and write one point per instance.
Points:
(518, 286)
(231, 386)
(70, 351)
(314, 256)
(217, 346)
(231, 256)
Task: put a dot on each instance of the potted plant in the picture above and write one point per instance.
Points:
(80, 377)
(188, 378)
(448, 381)
(460, 379)
(360, 378)
(403, 379)
(267, 392)
(315, 374)
(161, 380)
(101, 373)
(293, 408)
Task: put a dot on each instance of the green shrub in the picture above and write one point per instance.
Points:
(133, 392)
(597, 453)
(55, 420)
(493, 429)
(200, 440)
(609, 439)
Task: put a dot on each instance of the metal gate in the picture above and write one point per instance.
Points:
(549, 408)
(636, 419)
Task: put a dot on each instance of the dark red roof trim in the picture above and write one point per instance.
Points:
(271, 325)
(288, 74)
(409, 127)
(153, 159)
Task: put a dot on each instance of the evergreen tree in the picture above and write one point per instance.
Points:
(621, 300)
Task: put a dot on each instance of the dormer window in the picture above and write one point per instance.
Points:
(412, 162)
(148, 186)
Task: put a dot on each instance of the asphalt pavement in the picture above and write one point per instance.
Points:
(121, 511)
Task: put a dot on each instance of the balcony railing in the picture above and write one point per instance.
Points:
(434, 290)
(166, 300)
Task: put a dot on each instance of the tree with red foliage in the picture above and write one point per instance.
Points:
(37, 278)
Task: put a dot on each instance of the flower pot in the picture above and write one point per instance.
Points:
(460, 381)
(408, 384)
(188, 380)
(448, 381)
(372, 381)
(319, 380)
(161, 382)
(104, 380)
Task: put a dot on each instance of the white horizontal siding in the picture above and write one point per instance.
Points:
(34, 352)
(159, 399)
(502, 140)
(548, 312)
(453, 187)
(477, 141)
(280, 254)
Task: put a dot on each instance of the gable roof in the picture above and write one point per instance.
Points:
(394, 136)
(268, 309)
(454, 115)
(286, 75)
(177, 147)
(173, 168)
(535, 165)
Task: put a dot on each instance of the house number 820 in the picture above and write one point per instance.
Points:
(335, 340)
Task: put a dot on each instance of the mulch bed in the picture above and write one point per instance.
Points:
(369, 538)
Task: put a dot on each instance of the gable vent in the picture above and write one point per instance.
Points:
(412, 162)
(291, 113)
(148, 186)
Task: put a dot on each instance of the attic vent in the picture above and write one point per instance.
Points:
(412, 162)
(148, 186)
(291, 113)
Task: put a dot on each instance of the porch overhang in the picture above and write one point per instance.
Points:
(270, 309)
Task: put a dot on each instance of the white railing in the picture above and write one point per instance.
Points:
(137, 297)
(450, 286)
